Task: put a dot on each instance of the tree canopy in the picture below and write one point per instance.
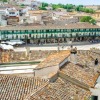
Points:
(68, 7)
(4, 0)
(83, 9)
(88, 19)
(44, 4)
(42, 8)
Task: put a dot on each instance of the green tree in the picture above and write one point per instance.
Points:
(44, 4)
(22, 5)
(4, 0)
(54, 6)
(60, 5)
(91, 11)
(42, 8)
(69, 6)
(86, 10)
(88, 19)
(93, 21)
(79, 8)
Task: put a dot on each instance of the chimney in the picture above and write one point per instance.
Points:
(73, 55)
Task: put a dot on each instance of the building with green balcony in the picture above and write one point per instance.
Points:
(51, 34)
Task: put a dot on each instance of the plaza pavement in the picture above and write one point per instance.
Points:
(61, 47)
(28, 68)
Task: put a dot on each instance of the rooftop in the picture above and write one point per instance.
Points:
(54, 59)
(37, 11)
(32, 88)
(76, 72)
(60, 90)
(13, 87)
(98, 11)
(69, 26)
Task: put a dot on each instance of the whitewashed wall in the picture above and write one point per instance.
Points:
(62, 63)
(45, 72)
(95, 92)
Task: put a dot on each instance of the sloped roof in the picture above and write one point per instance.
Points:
(60, 90)
(14, 87)
(76, 72)
(69, 26)
(54, 59)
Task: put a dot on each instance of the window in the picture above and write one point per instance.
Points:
(94, 97)
(94, 29)
(87, 29)
(10, 31)
(61, 30)
(34, 30)
(26, 30)
(74, 30)
(11, 12)
(68, 30)
(50, 30)
(22, 31)
(58, 30)
(16, 36)
(44, 30)
(38, 30)
(47, 30)
(29, 35)
(64, 30)
(29, 31)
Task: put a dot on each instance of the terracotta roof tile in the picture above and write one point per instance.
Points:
(78, 73)
(69, 26)
(60, 90)
(54, 59)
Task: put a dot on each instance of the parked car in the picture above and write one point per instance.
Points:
(13, 42)
(6, 47)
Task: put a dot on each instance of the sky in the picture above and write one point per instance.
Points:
(76, 2)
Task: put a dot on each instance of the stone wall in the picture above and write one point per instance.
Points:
(33, 55)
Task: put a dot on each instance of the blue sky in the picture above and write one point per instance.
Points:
(77, 2)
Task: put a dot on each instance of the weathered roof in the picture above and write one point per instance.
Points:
(14, 87)
(98, 11)
(69, 26)
(37, 11)
(12, 10)
(76, 72)
(54, 59)
(60, 90)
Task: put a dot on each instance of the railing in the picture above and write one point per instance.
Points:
(39, 32)
(52, 35)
